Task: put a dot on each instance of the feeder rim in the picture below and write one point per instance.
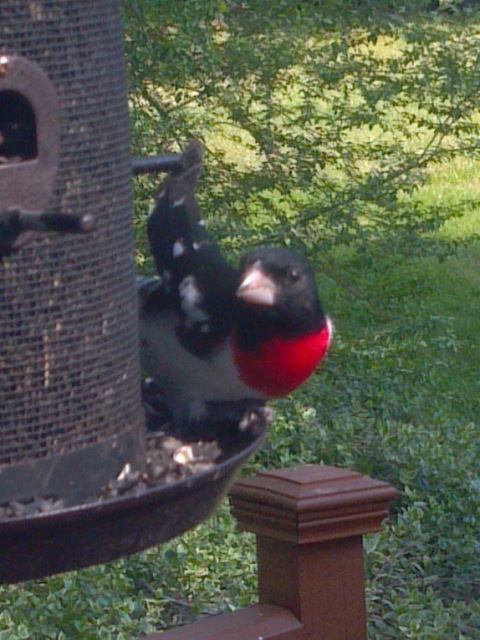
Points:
(159, 493)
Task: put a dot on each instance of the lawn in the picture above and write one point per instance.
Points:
(398, 398)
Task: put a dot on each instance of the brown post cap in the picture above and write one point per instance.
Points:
(311, 503)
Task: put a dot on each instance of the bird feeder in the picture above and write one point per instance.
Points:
(71, 416)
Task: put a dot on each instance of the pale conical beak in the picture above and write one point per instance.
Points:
(257, 288)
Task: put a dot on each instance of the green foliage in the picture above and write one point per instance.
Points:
(337, 108)
(397, 399)
(323, 120)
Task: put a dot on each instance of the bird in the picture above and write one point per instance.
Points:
(218, 340)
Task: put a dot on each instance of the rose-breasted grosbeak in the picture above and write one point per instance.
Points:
(216, 339)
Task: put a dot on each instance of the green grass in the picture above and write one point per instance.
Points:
(398, 398)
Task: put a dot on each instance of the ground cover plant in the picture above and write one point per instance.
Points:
(348, 130)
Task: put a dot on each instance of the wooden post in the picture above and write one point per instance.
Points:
(309, 524)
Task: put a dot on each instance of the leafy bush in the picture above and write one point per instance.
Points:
(336, 110)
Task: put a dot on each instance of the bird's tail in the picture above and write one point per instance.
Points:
(175, 225)
(192, 161)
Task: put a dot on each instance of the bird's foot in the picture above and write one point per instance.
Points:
(255, 420)
(249, 416)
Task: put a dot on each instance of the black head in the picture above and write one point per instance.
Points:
(278, 294)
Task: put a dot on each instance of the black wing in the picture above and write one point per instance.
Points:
(195, 279)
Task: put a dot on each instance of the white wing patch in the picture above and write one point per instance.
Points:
(178, 248)
(192, 297)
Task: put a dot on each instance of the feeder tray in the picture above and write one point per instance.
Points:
(40, 545)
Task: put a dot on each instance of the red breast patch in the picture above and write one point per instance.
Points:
(280, 365)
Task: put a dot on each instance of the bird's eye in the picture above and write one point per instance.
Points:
(294, 275)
